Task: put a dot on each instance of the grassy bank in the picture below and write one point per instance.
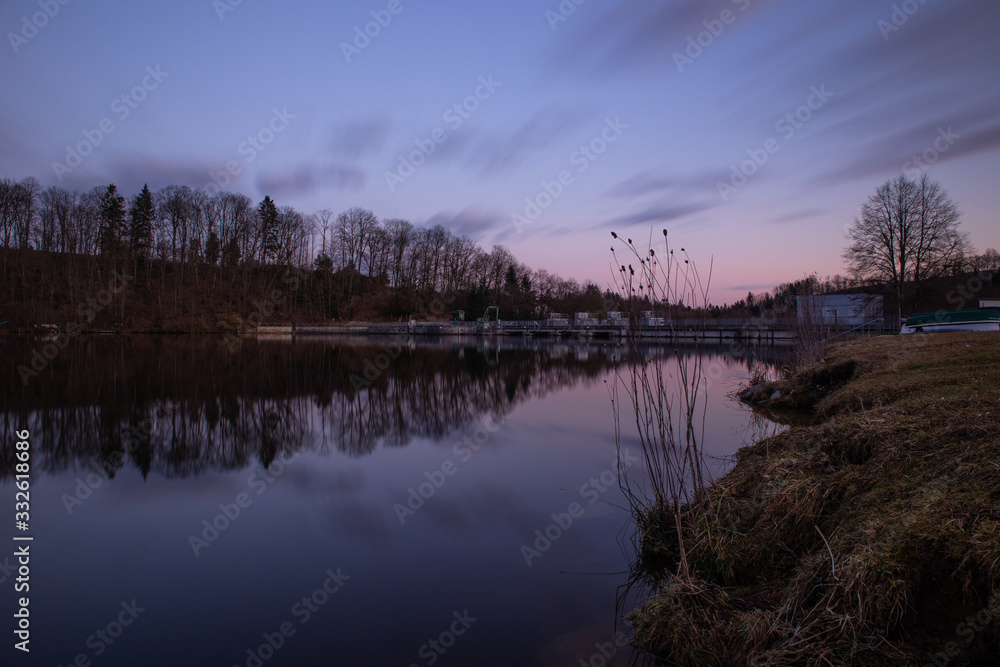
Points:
(871, 536)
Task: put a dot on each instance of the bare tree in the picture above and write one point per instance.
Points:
(907, 232)
(351, 231)
(18, 211)
(29, 190)
(400, 237)
(988, 261)
(324, 219)
(180, 215)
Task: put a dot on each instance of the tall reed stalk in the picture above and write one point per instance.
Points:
(667, 404)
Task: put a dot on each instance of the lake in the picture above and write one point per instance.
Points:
(329, 501)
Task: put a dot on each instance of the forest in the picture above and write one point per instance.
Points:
(194, 262)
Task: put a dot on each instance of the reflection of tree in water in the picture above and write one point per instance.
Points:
(180, 406)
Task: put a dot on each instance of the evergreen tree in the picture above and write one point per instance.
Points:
(268, 213)
(142, 215)
(213, 248)
(112, 218)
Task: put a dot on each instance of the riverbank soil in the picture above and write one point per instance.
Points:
(870, 536)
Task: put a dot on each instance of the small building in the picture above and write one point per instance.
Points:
(557, 320)
(617, 319)
(585, 319)
(840, 310)
(651, 319)
(458, 316)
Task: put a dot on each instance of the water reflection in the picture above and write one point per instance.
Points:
(180, 406)
(184, 426)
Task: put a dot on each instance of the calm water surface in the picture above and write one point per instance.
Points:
(190, 501)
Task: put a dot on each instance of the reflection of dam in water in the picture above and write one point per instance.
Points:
(179, 406)
(720, 330)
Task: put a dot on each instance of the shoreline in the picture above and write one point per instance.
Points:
(871, 534)
(751, 330)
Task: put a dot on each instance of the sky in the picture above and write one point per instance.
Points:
(752, 130)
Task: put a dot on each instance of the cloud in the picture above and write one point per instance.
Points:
(892, 94)
(640, 33)
(661, 183)
(945, 136)
(662, 197)
(494, 152)
(307, 177)
(129, 174)
(356, 139)
(662, 213)
(753, 287)
(470, 221)
(795, 216)
(12, 146)
(502, 154)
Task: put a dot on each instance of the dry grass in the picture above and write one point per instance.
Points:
(864, 538)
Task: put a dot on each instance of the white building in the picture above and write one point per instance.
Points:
(840, 310)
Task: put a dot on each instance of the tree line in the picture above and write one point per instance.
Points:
(175, 224)
(189, 251)
(360, 264)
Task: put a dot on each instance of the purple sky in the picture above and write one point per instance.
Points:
(663, 119)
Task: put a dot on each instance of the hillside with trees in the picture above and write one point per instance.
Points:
(193, 262)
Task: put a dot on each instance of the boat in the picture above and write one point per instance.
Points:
(971, 319)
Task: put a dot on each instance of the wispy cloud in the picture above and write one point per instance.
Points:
(307, 178)
(502, 153)
(475, 223)
(355, 139)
